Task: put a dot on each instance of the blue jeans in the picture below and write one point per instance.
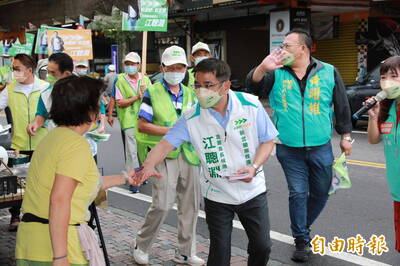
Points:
(309, 175)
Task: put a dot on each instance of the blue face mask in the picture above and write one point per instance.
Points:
(199, 59)
(131, 70)
(7, 61)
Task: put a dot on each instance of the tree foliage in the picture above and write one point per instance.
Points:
(111, 26)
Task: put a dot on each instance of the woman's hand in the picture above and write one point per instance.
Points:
(144, 174)
(374, 111)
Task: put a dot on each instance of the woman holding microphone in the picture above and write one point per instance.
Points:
(383, 124)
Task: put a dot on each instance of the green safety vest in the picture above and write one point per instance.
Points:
(5, 74)
(390, 134)
(128, 116)
(191, 78)
(303, 121)
(164, 114)
(23, 110)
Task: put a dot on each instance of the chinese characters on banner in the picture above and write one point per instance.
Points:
(149, 15)
(76, 43)
(14, 48)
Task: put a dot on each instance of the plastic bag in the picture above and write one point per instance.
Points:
(341, 177)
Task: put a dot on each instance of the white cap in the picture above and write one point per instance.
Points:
(174, 55)
(200, 46)
(132, 57)
(111, 67)
(84, 63)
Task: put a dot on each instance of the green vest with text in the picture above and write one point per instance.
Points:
(164, 114)
(303, 120)
(390, 134)
(5, 74)
(23, 110)
(128, 116)
(191, 78)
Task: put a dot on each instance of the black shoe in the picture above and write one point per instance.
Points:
(302, 251)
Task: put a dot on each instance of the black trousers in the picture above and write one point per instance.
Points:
(254, 217)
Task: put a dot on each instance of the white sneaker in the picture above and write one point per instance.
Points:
(193, 260)
(139, 256)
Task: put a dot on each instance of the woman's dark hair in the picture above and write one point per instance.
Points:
(63, 61)
(75, 100)
(219, 68)
(27, 60)
(392, 64)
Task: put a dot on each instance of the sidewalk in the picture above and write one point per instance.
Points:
(119, 228)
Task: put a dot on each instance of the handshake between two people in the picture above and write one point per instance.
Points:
(141, 174)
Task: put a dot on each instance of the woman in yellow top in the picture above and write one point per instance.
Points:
(63, 179)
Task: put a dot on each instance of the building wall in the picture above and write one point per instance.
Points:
(245, 50)
(341, 52)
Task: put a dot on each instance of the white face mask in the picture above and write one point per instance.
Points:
(81, 71)
(174, 78)
(207, 98)
(19, 76)
(391, 87)
(199, 59)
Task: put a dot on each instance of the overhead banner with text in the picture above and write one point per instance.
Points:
(150, 15)
(76, 43)
(14, 48)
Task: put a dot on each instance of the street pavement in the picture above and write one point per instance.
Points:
(119, 228)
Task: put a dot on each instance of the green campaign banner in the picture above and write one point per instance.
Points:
(150, 15)
(41, 39)
(15, 48)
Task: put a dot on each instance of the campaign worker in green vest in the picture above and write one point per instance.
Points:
(128, 92)
(22, 96)
(60, 65)
(200, 51)
(163, 103)
(383, 124)
(302, 91)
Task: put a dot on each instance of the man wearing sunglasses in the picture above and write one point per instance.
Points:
(302, 92)
(233, 136)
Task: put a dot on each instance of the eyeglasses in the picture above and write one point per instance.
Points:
(287, 45)
(207, 85)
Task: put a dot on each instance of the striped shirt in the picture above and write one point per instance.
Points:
(146, 109)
